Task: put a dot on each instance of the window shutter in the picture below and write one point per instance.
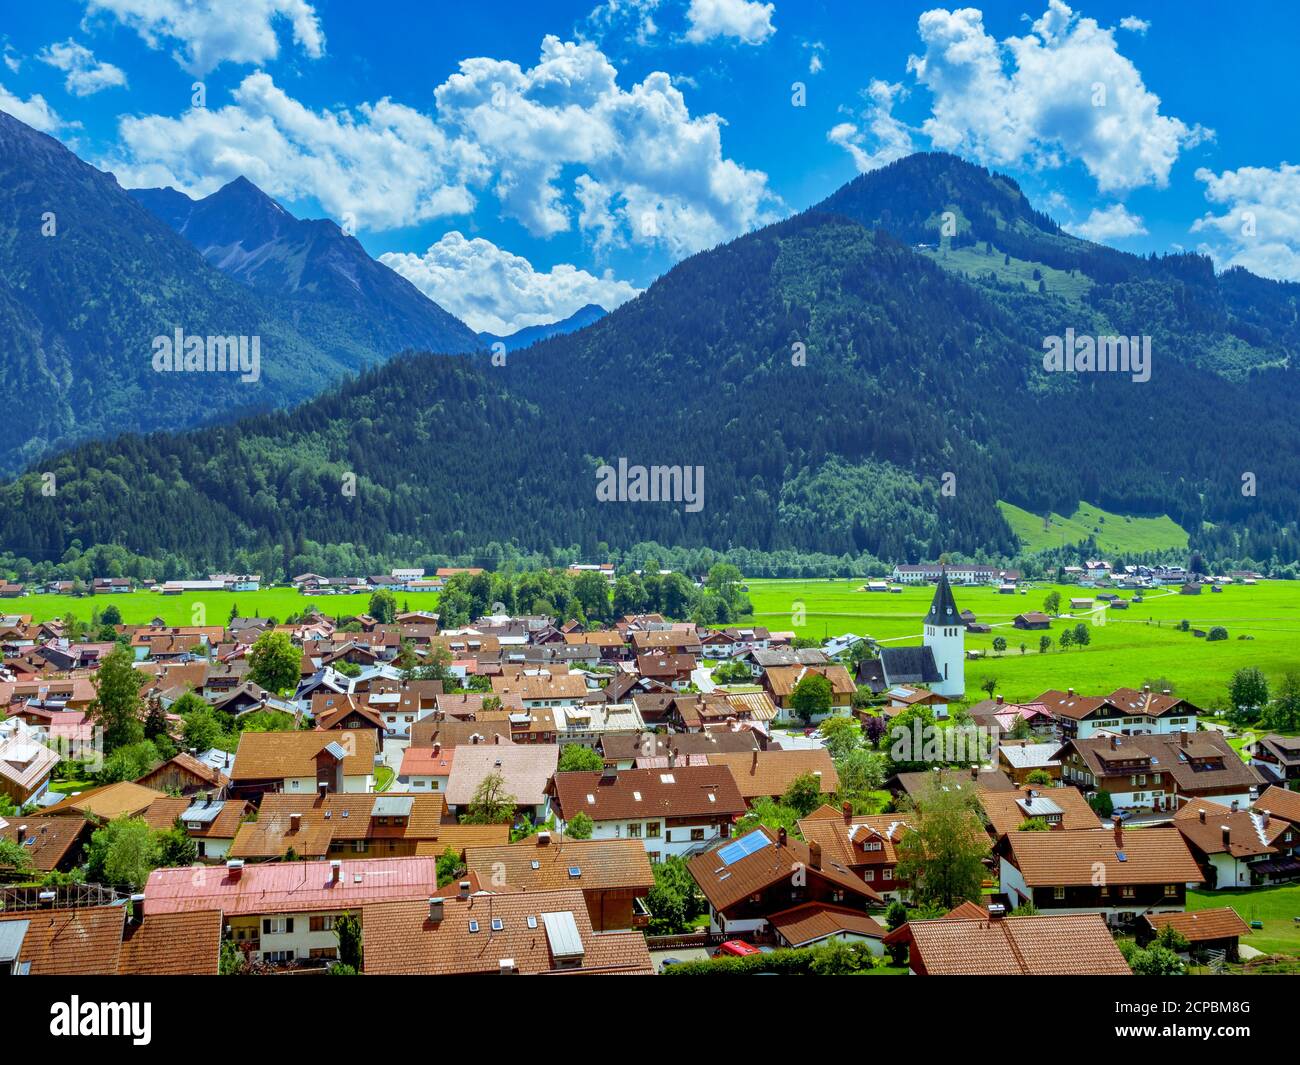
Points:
(266, 926)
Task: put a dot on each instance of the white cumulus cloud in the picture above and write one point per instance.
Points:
(34, 111)
(203, 34)
(1108, 223)
(86, 75)
(1134, 24)
(1260, 224)
(1061, 92)
(496, 291)
(385, 166)
(743, 20)
(880, 138)
(645, 169)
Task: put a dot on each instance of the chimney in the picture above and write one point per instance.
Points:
(1146, 688)
(1182, 738)
(1119, 831)
(780, 837)
(999, 699)
(435, 911)
(1200, 814)
(1114, 743)
(672, 758)
(753, 762)
(846, 808)
(336, 871)
(506, 966)
(1226, 831)
(543, 838)
(295, 823)
(1032, 794)
(437, 748)
(137, 908)
(22, 833)
(462, 889)
(1069, 692)
(974, 772)
(235, 868)
(1235, 804)
(815, 855)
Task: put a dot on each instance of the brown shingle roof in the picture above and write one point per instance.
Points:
(173, 944)
(1055, 945)
(783, 679)
(399, 938)
(1280, 802)
(687, 791)
(108, 802)
(605, 864)
(452, 733)
(1151, 856)
(724, 885)
(1249, 832)
(48, 840)
(525, 768)
(1201, 925)
(804, 925)
(761, 773)
(1008, 810)
(81, 942)
(276, 755)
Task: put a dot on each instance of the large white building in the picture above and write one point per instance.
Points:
(945, 636)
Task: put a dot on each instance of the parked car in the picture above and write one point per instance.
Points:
(736, 948)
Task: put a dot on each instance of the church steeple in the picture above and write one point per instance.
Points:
(943, 610)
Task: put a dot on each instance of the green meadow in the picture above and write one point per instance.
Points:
(1115, 534)
(1127, 647)
(204, 608)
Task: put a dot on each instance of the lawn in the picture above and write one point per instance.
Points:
(1275, 906)
(1127, 647)
(205, 608)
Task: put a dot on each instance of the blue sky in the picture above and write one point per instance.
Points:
(517, 160)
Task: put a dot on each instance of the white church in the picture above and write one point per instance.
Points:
(940, 662)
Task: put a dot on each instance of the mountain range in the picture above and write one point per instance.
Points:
(531, 334)
(89, 278)
(867, 376)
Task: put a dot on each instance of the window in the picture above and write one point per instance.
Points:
(322, 922)
(652, 829)
(277, 926)
(293, 785)
(359, 845)
(323, 952)
(634, 830)
(886, 874)
(1126, 892)
(1171, 890)
(653, 856)
(873, 845)
(1058, 893)
(697, 834)
(869, 875)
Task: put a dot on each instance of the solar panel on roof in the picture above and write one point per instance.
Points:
(743, 848)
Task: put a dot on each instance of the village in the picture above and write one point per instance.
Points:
(378, 793)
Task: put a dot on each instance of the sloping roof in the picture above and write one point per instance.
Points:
(288, 887)
(276, 755)
(399, 938)
(757, 860)
(810, 922)
(943, 608)
(188, 763)
(1199, 925)
(107, 802)
(784, 679)
(1055, 945)
(709, 792)
(77, 942)
(601, 864)
(618, 747)
(909, 665)
(846, 840)
(761, 773)
(453, 733)
(48, 840)
(1249, 832)
(173, 944)
(1008, 810)
(525, 768)
(1186, 756)
(1151, 856)
(26, 762)
(1281, 803)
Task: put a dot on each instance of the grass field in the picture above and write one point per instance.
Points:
(204, 608)
(1129, 648)
(1274, 906)
(1114, 533)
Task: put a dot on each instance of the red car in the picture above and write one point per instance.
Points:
(736, 948)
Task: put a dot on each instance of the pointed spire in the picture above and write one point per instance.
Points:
(943, 610)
